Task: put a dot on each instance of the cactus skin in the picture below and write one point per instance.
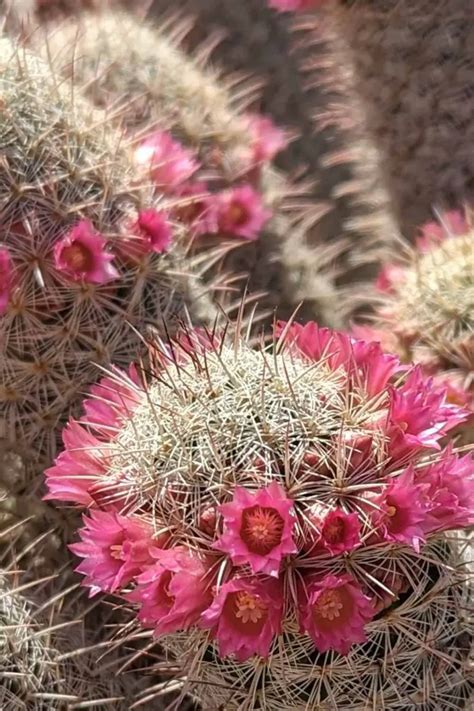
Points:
(122, 61)
(38, 630)
(61, 164)
(221, 415)
(424, 307)
(413, 66)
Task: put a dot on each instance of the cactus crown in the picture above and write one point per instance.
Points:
(277, 514)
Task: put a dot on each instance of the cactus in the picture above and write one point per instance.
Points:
(412, 69)
(84, 253)
(278, 518)
(38, 667)
(122, 61)
(424, 307)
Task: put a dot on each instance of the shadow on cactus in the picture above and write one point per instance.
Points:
(278, 519)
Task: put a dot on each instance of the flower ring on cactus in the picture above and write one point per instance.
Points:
(291, 497)
(425, 309)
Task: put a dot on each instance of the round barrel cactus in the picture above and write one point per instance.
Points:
(283, 519)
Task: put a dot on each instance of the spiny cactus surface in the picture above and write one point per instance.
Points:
(278, 517)
(413, 67)
(425, 305)
(237, 201)
(86, 252)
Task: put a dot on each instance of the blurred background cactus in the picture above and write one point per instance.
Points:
(86, 253)
(424, 305)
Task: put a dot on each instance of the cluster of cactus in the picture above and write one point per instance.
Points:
(284, 523)
(424, 307)
(235, 199)
(279, 518)
(86, 253)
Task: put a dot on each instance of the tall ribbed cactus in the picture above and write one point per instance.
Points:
(279, 519)
(122, 61)
(86, 253)
(412, 69)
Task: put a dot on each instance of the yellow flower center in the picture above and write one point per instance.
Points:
(329, 605)
(116, 551)
(334, 531)
(249, 608)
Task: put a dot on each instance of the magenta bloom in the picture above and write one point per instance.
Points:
(451, 224)
(365, 362)
(173, 592)
(258, 528)
(113, 400)
(6, 278)
(241, 212)
(401, 513)
(316, 343)
(334, 612)
(267, 140)
(338, 531)
(167, 161)
(150, 232)
(81, 255)
(78, 468)
(197, 208)
(419, 415)
(245, 617)
(115, 548)
(449, 489)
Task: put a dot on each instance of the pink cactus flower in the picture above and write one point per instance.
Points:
(390, 276)
(6, 278)
(400, 512)
(166, 160)
(449, 490)
(150, 232)
(258, 528)
(173, 592)
(338, 531)
(267, 140)
(451, 224)
(334, 612)
(116, 549)
(241, 212)
(245, 617)
(197, 208)
(419, 415)
(81, 255)
(112, 401)
(366, 363)
(78, 468)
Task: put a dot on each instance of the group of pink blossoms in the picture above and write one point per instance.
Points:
(83, 255)
(263, 533)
